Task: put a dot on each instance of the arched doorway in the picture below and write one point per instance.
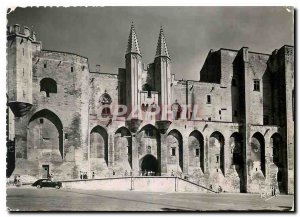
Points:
(149, 165)
(45, 133)
(148, 139)
(257, 153)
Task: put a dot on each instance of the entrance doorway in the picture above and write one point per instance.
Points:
(149, 166)
(45, 173)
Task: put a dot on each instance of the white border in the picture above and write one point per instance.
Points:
(10, 3)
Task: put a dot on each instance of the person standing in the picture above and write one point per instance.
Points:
(81, 175)
(93, 175)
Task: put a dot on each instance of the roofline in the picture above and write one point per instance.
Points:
(46, 50)
(266, 54)
(289, 45)
(104, 73)
(229, 49)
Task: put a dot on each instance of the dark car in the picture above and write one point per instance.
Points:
(47, 183)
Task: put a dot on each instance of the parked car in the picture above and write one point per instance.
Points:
(47, 183)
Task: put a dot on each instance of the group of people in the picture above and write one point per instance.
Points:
(83, 175)
(148, 173)
(220, 189)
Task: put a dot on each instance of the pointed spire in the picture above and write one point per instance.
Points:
(162, 49)
(133, 44)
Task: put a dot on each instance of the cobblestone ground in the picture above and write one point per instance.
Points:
(32, 199)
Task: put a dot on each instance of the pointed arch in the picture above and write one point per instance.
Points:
(216, 146)
(175, 149)
(150, 143)
(123, 146)
(99, 143)
(149, 164)
(257, 156)
(196, 149)
(236, 149)
(44, 135)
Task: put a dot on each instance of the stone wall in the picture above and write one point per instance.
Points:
(238, 117)
(66, 110)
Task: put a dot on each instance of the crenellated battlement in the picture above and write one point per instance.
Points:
(23, 32)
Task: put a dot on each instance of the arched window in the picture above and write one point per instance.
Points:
(176, 108)
(105, 100)
(48, 85)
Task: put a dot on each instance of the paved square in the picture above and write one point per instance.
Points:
(31, 199)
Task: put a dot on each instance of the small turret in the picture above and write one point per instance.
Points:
(19, 70)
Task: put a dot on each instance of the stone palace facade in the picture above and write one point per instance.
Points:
(234, 128)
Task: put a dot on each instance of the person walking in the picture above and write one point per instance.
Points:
(93, 175)
(81, 175)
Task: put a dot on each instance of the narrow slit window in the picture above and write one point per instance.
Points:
(208, 99)
(173, 152)
(197, 152)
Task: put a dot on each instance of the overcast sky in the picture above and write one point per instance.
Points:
(101, 33)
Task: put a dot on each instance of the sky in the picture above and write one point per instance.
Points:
(101, 33)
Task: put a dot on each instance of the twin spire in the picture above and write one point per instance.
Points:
(161, 49)
(133, 44)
